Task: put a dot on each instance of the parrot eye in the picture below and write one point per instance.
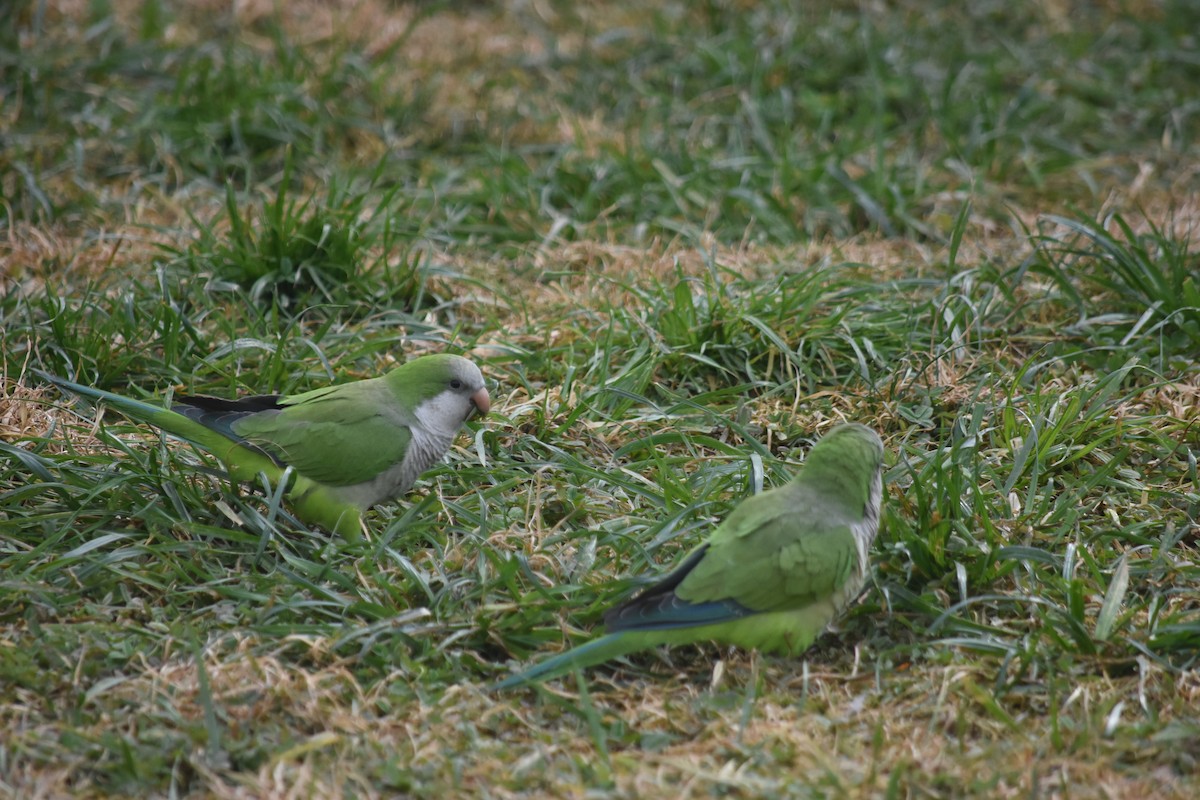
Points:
(456, 384)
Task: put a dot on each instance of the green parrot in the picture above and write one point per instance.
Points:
(348, 446)
(770, 577)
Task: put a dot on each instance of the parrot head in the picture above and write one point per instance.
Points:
(443, 390)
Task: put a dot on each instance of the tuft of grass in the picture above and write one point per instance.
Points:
(298, 253)
(1151, 277)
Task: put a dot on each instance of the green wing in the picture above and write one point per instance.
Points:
(337, 436)
(776, 551)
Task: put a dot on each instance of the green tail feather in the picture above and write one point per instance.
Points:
(594, 652)
(155, 415)
(244, 462)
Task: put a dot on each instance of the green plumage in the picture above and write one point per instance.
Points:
(342, 448)
(770, 577)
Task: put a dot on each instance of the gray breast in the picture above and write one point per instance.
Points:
(424, 450)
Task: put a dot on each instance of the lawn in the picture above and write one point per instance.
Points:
(682, 240)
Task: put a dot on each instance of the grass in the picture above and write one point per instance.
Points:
(682, 241)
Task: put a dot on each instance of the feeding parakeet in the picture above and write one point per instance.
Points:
(349, 446)
(770, 577)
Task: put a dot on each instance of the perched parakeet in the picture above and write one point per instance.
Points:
(349, 446)
(770, 577)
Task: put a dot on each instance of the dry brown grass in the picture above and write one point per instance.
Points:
(844, 731)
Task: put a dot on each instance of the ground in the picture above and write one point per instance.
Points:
(682, 241)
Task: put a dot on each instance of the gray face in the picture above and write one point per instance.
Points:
(463, 395)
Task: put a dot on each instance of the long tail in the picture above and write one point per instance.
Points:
(155, 415)
(244, 462)
(594, 652)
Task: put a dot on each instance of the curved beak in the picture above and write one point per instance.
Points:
(482, 401)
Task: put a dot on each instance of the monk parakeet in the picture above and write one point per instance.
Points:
(770, 577)
(349, 446)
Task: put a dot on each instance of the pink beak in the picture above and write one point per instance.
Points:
(482, 401)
